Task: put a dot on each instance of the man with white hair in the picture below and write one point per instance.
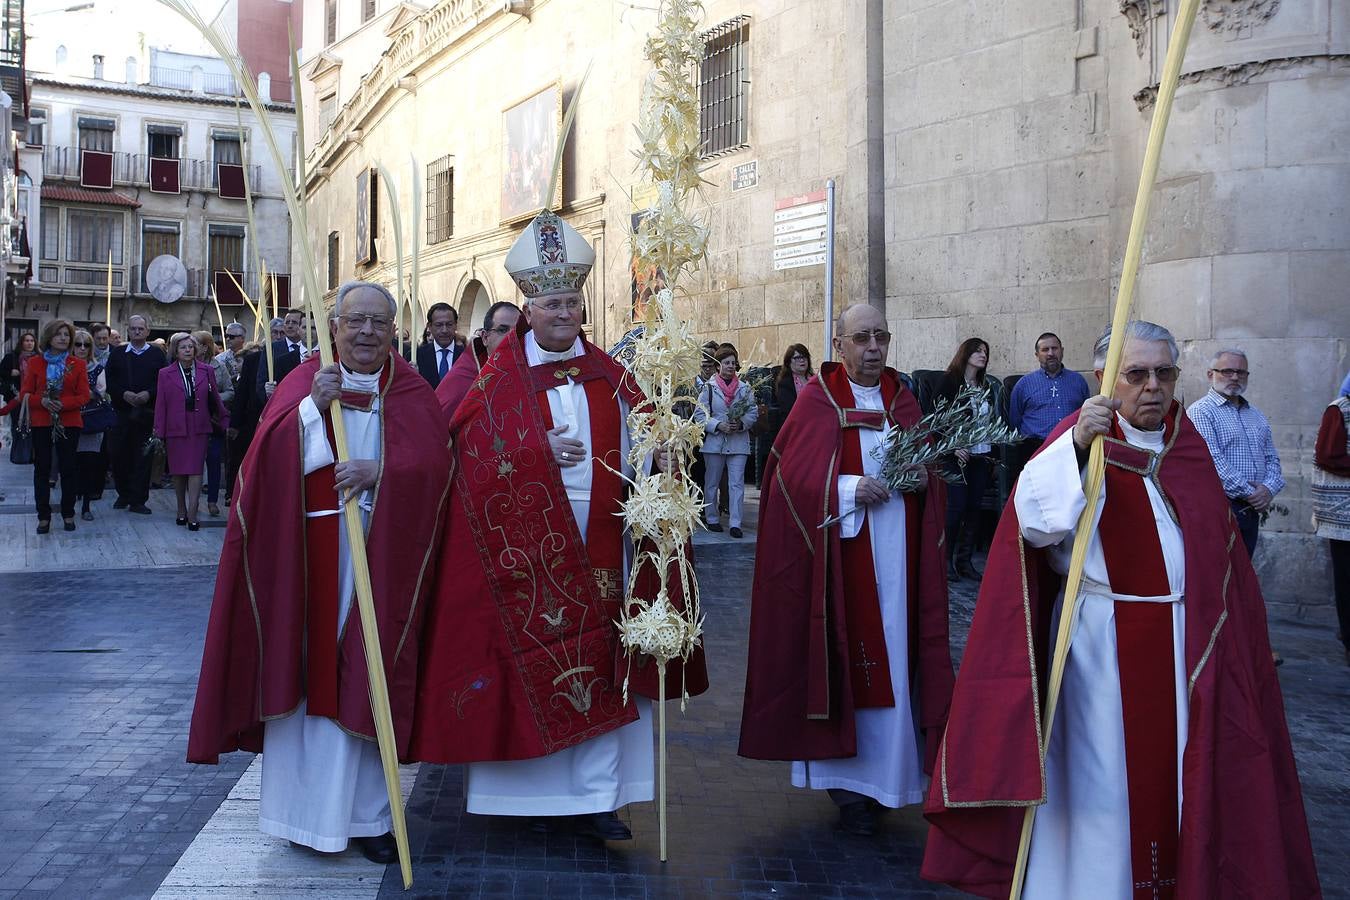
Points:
(282, 658)
(1240, 441)
(1168, 771)
(523, 677)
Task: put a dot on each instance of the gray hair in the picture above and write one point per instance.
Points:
(350, 286)
(1231, 351)
(144, 320)
(1140, 331)
(276, 323)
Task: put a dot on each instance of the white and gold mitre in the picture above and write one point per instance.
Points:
(551, 257)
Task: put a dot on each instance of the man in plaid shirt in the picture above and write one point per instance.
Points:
(1239, 439)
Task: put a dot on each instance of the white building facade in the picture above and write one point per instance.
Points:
(129, 172)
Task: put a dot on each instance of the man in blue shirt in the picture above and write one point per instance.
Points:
(1041, 399)
(1240, 441)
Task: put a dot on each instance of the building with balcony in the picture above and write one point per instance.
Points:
(14, 254)
(118, 174)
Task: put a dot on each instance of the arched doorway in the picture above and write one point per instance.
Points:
(473, 306)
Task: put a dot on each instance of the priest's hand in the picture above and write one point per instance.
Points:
(355, 476)
(567, 452)
(870, 491)
(327, 386)
(1094, 419)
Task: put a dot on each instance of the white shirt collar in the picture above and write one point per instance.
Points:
(1149, 440)
(536, 355)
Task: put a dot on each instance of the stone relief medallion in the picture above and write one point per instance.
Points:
(1233, 16)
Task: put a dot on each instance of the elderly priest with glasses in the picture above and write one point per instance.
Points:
(1169, 771)
(522, 676)
(284, 668)
(849, 671)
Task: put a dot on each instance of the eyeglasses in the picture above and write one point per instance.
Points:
(553, 306)
(1165, 374)
(862, 338)
(82, 344)
(500, 329)
(1231, 373)
(357, 321)
(234, 334)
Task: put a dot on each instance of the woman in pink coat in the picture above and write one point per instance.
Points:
(187, 410)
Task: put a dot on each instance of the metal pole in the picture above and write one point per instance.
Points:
(826, 354)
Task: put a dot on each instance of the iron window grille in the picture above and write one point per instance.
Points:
(724, 88)
(440, 200)
(333, 260)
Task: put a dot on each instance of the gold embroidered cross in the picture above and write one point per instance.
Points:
(607, 581)
(563, 374)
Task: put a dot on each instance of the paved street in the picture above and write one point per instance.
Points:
(97, 672)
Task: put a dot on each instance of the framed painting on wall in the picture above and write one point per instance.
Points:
(530, 130)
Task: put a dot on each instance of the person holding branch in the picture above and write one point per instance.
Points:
(281, 658)
(1169, 769)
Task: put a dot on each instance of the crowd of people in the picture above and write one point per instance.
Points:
(488, 474)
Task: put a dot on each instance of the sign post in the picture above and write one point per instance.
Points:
(803, 235)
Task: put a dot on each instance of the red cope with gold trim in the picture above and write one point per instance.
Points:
(523, 657)
(450, 392)
(814, 625)
(1243, 831)
(272, 636)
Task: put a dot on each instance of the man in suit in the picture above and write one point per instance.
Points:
(287, 353)
(133, 379)
(437, 356)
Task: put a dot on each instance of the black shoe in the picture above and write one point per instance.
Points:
(715, 526)
(68, 524)
(140, 509)
(180, 521)
(44, 526)
(540, 824)
(381, 850)
(193, 526)
(736, 532)
(87, 516)
(606, 826)
(121, 504)
(856, 818)
(968, 570)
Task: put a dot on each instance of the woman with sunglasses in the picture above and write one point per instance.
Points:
(55, 386)
(976, 466)
(91, 463)
(187, 408)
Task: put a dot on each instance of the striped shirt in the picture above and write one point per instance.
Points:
(1240, 441)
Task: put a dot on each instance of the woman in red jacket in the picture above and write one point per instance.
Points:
(55, 386)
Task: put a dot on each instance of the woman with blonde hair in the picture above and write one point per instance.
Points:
(207, 351)
(91, 462)
(187, 409)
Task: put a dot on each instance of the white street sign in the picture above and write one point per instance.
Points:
(797, 262)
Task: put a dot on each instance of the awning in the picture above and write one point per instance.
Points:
(65, 194)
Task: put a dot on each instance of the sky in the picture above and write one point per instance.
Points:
(117, 29)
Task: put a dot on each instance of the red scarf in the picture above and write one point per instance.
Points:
(728, 389)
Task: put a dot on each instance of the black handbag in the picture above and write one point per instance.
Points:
(98, 419)
(21, 450)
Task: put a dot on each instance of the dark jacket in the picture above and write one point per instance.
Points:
(428, 360)
(284, 360)
(129, 371)
(245, 408)
(949, 387)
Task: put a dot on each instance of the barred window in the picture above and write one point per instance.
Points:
(333, 261)
(367, 10)
(330, 21)
(440, 200)
(724, 88)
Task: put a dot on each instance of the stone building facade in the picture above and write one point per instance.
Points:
(985, 155)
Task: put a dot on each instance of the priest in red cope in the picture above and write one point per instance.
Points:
(499, 321)
(1169, 771)
(849, 672)
(522, 675)
(284, 669)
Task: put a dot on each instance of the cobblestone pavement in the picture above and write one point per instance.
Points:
(97, 676)
(738, 829)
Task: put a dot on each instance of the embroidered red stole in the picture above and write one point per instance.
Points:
(869, 662)
(1145, 654)
(604, 522)
(322, 568)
